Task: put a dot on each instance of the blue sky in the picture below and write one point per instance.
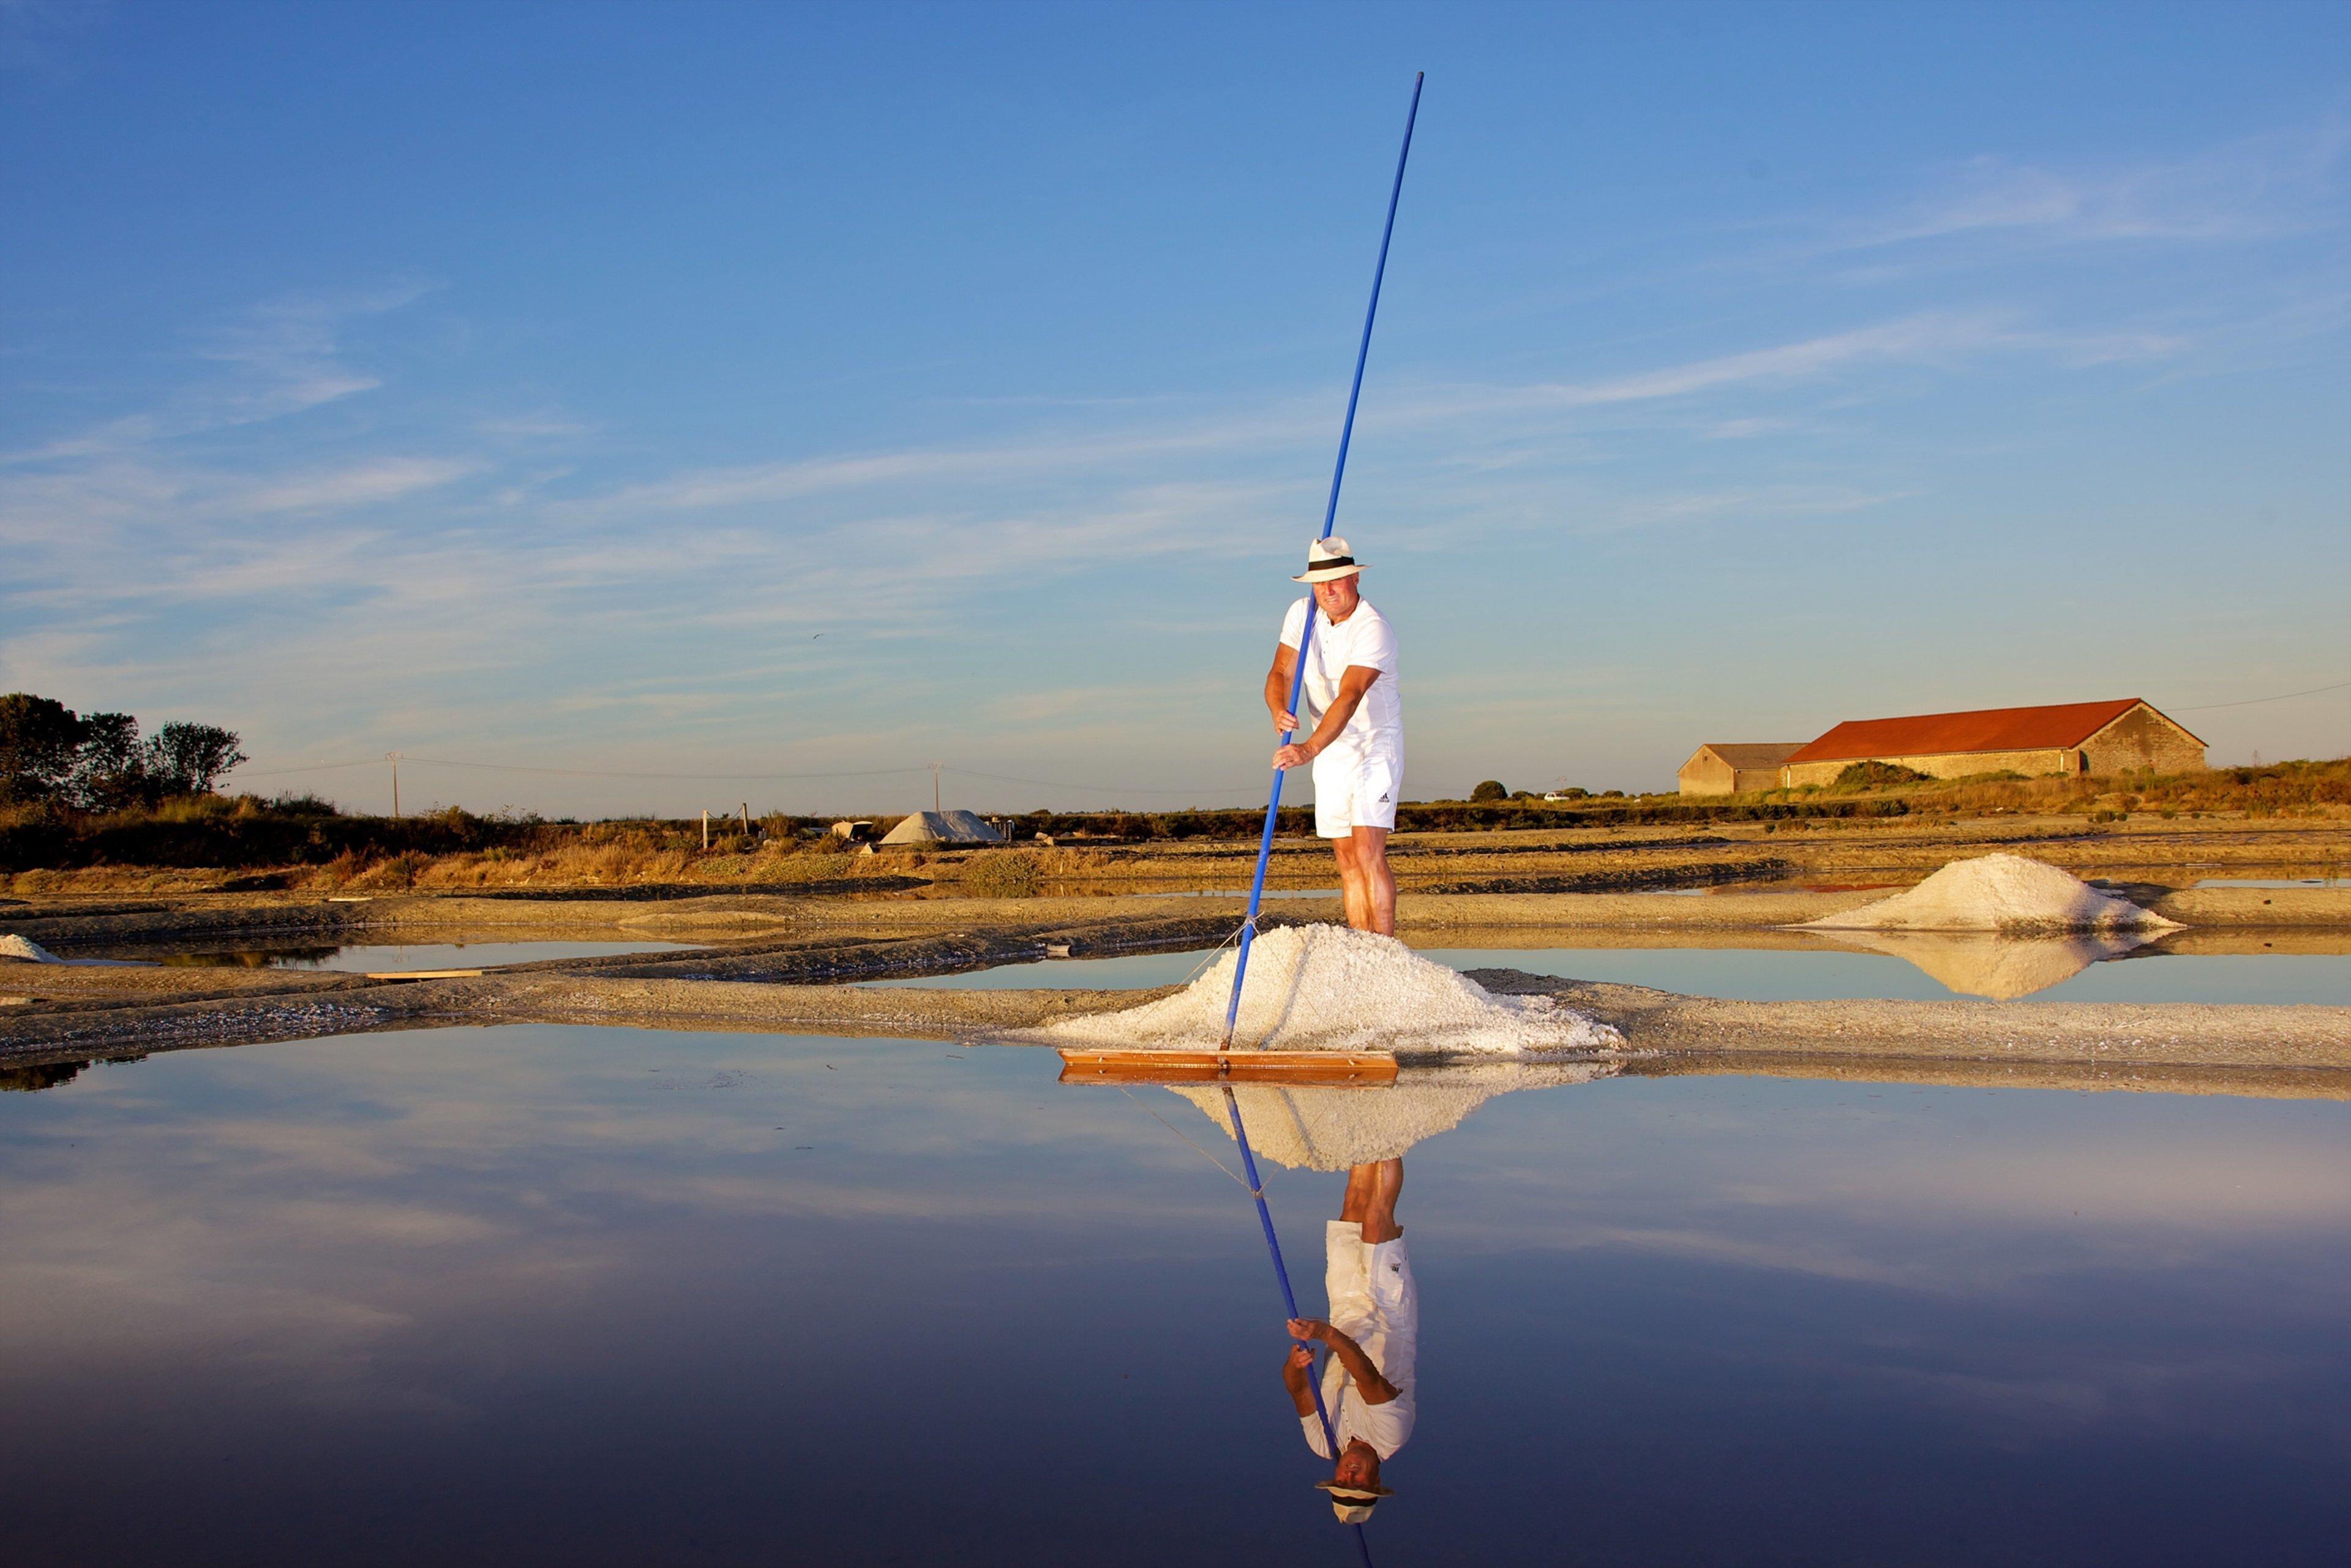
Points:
(701, 389)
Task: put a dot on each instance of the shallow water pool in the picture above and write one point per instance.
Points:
(1766, 975)
(390, 957)
(540, 1293)
(1779, 974)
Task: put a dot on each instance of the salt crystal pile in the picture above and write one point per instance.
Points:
(1997, 892)
(1326, 987)
(15, 947)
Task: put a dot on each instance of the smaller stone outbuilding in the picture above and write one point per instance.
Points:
(2116, 736)
(1736, 767)
(942, 828)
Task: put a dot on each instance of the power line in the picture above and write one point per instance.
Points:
(313, 768)
(1249, 789)
(577, 772)
(2249, 702)
(754, 778)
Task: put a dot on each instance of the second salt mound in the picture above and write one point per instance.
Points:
(1326, 987)
(1997, 892)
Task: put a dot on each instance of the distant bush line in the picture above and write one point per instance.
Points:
(250, 834)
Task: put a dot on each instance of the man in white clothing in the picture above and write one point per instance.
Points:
(1373, 1334)
(1357, 744)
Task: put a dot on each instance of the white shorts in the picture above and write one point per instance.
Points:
(1352, 791)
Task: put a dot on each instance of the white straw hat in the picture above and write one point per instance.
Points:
(1354, 1504)
(1328, 560)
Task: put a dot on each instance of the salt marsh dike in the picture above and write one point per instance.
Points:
(783, 964)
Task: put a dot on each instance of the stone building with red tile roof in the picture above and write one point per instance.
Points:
(2115, 736)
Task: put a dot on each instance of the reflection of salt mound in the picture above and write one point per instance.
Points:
(1985, 964)
(31, 952)
(1326, 987)
(1997, 892)
(1331, 1129)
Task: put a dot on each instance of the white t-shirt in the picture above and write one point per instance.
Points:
(1363, 638)
(1383, 1427)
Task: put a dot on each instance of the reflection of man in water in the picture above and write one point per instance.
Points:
(1367, 1384)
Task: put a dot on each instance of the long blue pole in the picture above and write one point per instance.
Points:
(1330, 518)
(1273, 805)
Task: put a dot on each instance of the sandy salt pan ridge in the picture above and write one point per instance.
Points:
(1329, 1129)
(1326, 987)
(1997, 892)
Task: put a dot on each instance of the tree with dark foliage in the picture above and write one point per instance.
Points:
(111, 771)
(189, 758)
(40, 741)
(47, 752)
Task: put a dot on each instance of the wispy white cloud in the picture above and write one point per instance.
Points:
(1778, 503)
(2257, 188)
(364, 485)
(282, 358)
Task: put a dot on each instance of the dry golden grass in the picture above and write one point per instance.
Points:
(2314, 789)
(247, 845)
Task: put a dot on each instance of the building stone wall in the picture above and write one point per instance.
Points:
(1947, 765)
(2143, 738)
(1706, 774)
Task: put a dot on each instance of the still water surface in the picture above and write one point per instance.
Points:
(1759, 973)
(616, 1296)
(378, 957)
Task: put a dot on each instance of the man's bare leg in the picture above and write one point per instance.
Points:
(1354, 888)
(1371, 858)
(1372, 1193)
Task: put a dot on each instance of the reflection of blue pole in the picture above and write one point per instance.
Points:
(1306, 637)
(1288, 1297)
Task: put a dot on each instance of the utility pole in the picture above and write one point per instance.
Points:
(934, 784)
(705, 830)
(393, 758)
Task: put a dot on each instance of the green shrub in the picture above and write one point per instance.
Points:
(1876, 776)
(1490, 791)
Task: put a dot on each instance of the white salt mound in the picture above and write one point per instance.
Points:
(1326, 987)
(1997, 892)
(1329, 1129)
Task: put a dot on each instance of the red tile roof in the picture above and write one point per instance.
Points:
(1987, 729)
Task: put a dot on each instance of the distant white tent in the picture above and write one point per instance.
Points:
(942, 828)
